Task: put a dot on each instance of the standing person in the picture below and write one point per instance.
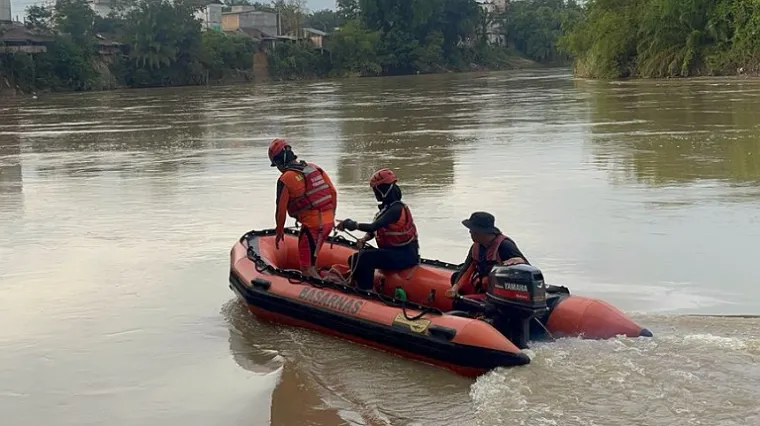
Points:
(393, 228)
(305, 192)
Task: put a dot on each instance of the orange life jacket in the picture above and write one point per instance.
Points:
(477, 273)
(483, 268)
(397, 234)
(317, 194)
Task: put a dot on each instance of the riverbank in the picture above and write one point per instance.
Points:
(106, 81)
(665, 39)
(8, 86)
(508, 62)
(19, 72)
(161, 43)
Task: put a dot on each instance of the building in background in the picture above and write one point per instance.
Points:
(5, 11)
(316, 36)
(101, 7)
(211, 16)
(246, 17)
(494, 6)
(15, 38)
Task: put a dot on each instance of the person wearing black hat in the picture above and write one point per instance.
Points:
(490, 247)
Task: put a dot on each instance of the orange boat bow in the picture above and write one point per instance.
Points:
(592, 319)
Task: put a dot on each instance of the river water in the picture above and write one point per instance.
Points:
(118, 210)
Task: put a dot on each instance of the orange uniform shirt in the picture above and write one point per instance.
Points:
(291, 185)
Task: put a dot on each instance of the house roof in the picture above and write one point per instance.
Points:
(19, 34)
(254, 33)
(205, 3)
(315, 31)
(242, 12)
(108, 40)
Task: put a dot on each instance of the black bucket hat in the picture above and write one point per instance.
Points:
(481, 222)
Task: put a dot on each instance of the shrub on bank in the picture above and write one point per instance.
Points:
(664, 38)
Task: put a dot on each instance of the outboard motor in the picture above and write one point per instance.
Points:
(517, 294)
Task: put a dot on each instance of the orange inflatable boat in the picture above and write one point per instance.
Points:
(408, 313)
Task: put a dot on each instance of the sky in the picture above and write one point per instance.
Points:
(321, 4)
(19, 6)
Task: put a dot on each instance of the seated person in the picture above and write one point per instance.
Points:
(490, 247)
(393, 228)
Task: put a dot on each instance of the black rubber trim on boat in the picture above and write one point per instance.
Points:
(263, 266)
(340, 241)
(261, 283)
(555, 294)
(433, 347)
(251, 239)
(442, 332)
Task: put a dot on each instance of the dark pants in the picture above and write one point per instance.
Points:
(395, 258)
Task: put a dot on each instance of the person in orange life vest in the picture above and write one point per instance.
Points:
(490, 247)
(305, 192)
(393, 228)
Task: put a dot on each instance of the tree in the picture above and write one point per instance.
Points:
(459, 22)
(292, 14)
(38, 18)
(534, 27)
(326, 20)
(75, 18)
(297, 60)
(348, 9)
(223, 52)
(166, 46)
(354, 50)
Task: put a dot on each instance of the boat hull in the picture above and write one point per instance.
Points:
(262, 277)
(398, 338)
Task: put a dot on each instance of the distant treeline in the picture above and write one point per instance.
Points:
(167, 46)
(390, 37)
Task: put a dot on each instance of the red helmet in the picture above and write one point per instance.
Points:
(382, 176)
(276, 148)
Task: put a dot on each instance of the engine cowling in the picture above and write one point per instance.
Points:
(518, 287)
(517, 295)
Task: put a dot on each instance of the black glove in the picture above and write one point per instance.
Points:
(350, 225)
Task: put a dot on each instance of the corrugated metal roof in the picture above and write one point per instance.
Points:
(18, 33)
(315, 31)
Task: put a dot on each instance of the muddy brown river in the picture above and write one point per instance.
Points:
(118, 211)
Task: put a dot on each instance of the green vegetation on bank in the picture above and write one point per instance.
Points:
(665, 38)
(164, 44)
(534, 28)
(391, 37)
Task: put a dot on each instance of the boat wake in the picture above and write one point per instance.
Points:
(696, 368)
